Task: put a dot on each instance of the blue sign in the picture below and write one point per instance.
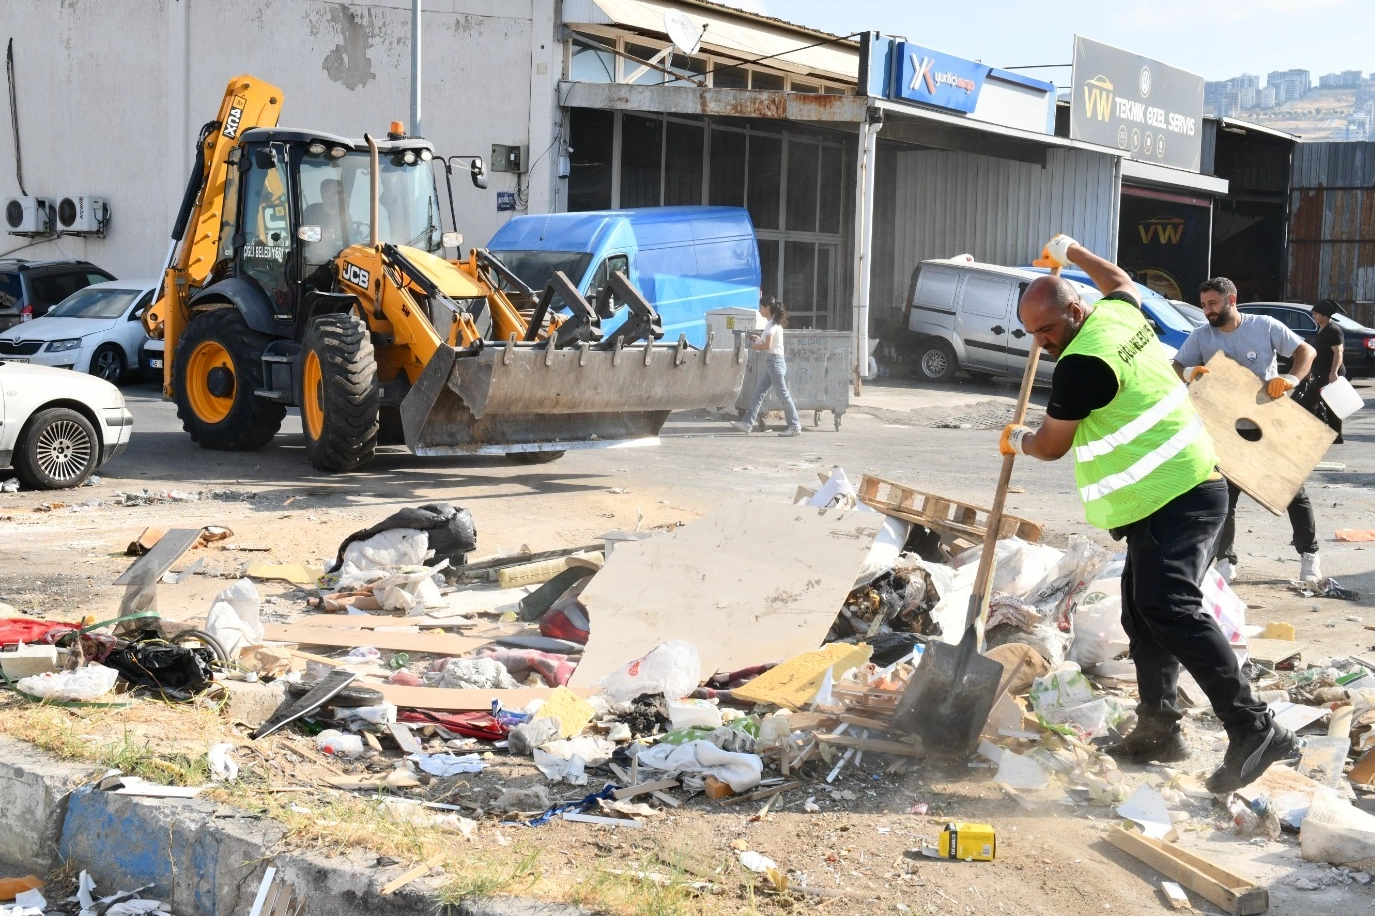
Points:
(506, 200)
(933, 78)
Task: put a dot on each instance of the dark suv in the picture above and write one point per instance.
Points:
(1358, 350)
(29, 288)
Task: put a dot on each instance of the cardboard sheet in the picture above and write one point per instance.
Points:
(1292, 440)
(754, 581)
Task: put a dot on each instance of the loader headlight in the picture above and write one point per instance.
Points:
(426, 155)
(337, 152)
(58, 346)
(316, 149)
(408, 157)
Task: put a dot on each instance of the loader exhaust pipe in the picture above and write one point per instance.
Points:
(374, 185)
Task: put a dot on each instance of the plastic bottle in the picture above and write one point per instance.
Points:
(1245, 822)
(12, 887)
(1269, 821)
(338, 744)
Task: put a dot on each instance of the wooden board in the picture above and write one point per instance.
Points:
(754, 581)
(1273, 651)
(1292, 440)
(433, 643)
(950, 518)
(1231, 891)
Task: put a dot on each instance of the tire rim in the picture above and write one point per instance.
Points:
(312, 397)
(934, 363)
(207, 356)
(63, 450)
(107, 365)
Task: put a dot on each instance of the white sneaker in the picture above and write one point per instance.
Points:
(1226, 570)
(742, 427)
(1309, 570)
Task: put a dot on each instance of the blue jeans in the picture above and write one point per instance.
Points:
(774, 375)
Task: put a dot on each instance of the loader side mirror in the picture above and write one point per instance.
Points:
(265, 158)
(478, 170)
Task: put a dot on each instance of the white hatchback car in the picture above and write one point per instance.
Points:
(95, 330)
(57, 427)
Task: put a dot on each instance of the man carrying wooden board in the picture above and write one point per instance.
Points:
(1253, 341)
(1146, 470)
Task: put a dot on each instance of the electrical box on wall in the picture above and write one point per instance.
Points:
(30, 216)
(509, 158)
(82, 214)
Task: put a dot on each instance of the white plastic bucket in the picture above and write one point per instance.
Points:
(1342, 398)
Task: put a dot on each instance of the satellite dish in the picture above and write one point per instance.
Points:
(686, 37)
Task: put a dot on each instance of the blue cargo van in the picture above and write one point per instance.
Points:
(685, 260)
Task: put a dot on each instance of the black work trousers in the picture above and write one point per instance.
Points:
(1301, 520)
(1162, 611)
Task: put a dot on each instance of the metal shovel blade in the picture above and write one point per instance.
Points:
(950, 696)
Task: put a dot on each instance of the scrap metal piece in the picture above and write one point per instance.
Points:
(165, 552)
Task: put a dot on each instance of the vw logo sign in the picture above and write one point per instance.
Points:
(1145, 82)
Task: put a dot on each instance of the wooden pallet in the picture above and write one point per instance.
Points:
(949, 518)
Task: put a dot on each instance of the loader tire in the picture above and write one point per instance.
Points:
(533, 457)
(218, 366)
(339, 397)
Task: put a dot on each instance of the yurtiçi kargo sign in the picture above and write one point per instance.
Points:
(1152, 111)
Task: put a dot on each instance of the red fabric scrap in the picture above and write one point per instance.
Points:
(29, 631)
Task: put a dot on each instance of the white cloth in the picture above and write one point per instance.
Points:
(701, 759)
(773, 336)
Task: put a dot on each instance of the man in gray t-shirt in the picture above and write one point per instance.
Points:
(1254, 341)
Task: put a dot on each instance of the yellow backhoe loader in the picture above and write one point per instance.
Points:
(306, 270)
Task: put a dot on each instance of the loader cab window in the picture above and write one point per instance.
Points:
(335, 197)
(265, 227)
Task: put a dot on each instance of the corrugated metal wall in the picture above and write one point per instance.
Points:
(937, 204)
(1332, 227)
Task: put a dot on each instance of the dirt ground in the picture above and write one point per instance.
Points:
(60, 553)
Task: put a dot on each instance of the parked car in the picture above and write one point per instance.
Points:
(29, 288)
(150, 360)
(686, 261)
(1359, 349)
(962, 314)
(59, 426)
(1191, 313)
(1170, 326)
(95, 330)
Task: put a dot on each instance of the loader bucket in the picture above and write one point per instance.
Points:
(516, 397)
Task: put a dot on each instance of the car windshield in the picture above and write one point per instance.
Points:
(335, 197)
(535, 268)
(95, 303)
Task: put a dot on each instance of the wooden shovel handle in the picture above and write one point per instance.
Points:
(983, 579)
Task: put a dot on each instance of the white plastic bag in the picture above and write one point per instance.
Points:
(673, 669)
(1098, 633)
(367, 561)
(1065, 702)
(88, 683)
(234, 621)
(411, 589)
(1227, 609)
(1018, 565)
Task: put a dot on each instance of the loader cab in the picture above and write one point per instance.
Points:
(294, 200)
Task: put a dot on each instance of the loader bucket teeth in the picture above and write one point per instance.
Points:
(511, 398)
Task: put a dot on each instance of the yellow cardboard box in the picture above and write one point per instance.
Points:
(968, 841)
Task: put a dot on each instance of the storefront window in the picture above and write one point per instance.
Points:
(683, 164)
(765, 160)
(591, 65)
(761, 80)
(641, 161)
(591, 138)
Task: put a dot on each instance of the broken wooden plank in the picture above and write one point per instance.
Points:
(950, 518)
(1235, 894)
(418, 871)
(625, 777)
(877, 745)
(1292, 441)
(432, 643)
(603, 821)
(759, 794)
(645, 788)
(396, 779)
(405, 739)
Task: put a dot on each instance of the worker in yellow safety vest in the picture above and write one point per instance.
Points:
(1146, 470)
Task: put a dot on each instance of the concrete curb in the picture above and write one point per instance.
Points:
(202, 858)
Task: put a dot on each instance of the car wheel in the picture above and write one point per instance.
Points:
(58, 448)
(108, 363)
(937, 361)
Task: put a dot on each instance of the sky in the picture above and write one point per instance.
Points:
(1216, 39)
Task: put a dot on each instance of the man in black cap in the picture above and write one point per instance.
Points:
(1327, 365)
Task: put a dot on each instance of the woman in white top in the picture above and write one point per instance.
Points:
(775, 370)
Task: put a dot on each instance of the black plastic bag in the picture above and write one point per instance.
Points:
(178, 672)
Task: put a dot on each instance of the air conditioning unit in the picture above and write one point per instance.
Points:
(82, 215)
(29, 215)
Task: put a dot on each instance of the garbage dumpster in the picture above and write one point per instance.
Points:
(818, 374)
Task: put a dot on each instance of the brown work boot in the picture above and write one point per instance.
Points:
(1152, 741)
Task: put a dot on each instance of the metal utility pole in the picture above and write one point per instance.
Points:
(416, 130)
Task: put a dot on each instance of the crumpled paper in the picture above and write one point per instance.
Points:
(448, 764)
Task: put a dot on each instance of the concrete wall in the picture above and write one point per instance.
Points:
(112, 93)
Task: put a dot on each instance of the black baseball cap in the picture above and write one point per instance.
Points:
(1328, 307)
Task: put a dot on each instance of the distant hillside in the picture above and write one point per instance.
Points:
(1320, 115)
